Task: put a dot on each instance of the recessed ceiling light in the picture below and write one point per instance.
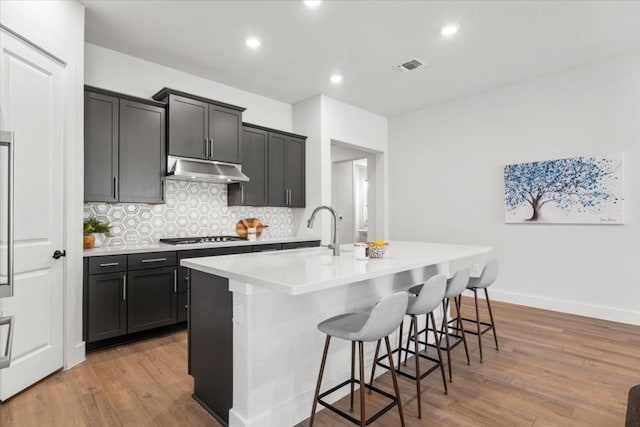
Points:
(449, 30)
(253, 42)
(336, 78)
(312, 4)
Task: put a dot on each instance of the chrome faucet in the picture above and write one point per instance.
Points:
(335, 239)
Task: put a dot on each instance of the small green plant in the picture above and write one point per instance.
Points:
(92, 225)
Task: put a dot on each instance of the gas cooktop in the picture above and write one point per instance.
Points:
(203, 239)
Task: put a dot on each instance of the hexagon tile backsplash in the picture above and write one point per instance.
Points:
(191, 209)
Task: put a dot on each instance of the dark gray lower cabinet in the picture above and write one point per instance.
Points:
(151, 298)
(107, 311)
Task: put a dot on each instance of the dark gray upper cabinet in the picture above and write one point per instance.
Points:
(188, 128)
(254, 165)
(124, 148)
(225, 133)
(277, 176)
(286, 170)
(295, 171)
(202, 128)
(142, 152)
(100, 147)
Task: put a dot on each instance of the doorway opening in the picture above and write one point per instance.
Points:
(352, 190)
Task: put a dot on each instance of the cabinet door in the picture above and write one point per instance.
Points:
(277, 189)
(254, 165)
(188, 127)
(100, 147)
(142, 152)
(295, 170)
(106, 311)
(151, 298)
(225, 128)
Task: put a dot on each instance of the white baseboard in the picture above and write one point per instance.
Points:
(76, 355)
(571, 307)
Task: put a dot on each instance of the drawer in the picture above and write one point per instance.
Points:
(107, 264)
(267, 248)
(297, 245)
(151, 260)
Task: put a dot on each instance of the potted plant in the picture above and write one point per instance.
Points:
(95, 233)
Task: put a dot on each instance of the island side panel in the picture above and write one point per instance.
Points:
(278, 348)
(211, 342)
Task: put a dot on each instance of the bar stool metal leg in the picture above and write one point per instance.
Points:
(353, 368)
(317, 393)
(435, 335)
(395, 380)
(475, 297)
(373, 368)
(363, 419)
(493, 324)
(460, 326)
(445, 327)
(414, 322)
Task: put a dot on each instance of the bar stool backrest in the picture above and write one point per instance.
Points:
(489, 274)
(385, 317)
(458, 283)
(430, 295)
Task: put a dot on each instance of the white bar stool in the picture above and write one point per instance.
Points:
(384, 318)
(455, 286)
(427, 300)
(487, 277)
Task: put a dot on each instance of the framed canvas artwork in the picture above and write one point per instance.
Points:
(577, 190)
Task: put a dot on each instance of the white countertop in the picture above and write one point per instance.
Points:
(301, 271)
(161, 247)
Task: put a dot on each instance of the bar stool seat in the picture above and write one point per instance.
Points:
(345, 326)
(384, 318)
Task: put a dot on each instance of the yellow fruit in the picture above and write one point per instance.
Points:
(379, 243)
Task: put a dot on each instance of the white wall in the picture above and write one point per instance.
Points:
(355, 127)
(58, 27)
(127, 74)
(450, 160)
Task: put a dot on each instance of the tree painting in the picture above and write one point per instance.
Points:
(573, 190)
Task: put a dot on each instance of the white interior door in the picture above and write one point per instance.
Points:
(31, 106)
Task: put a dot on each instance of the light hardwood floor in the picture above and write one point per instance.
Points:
(552, 369)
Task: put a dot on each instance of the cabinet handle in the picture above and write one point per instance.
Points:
(162, 190)
(242, 194)
(115, 187)
(206, 148)
(109, 264)
(124, 287)
(144, 261)
(175, 281)
(211, 149)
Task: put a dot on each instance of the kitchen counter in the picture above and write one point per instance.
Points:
(161, 247)
(254, 348)
(315, 269)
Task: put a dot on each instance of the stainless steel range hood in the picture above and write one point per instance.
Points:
(203, 170)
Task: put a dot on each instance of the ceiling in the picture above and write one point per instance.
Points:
(499, 43)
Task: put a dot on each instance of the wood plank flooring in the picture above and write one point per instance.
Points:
(552, 369)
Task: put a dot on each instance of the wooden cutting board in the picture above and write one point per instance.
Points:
(243, 225)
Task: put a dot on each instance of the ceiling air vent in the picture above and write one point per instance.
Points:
(411, 65)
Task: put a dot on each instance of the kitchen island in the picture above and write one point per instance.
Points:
(254, 350)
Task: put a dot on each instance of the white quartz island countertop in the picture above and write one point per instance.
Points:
(301, 271)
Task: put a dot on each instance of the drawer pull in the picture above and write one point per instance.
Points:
(109, 264)
(144, 261)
